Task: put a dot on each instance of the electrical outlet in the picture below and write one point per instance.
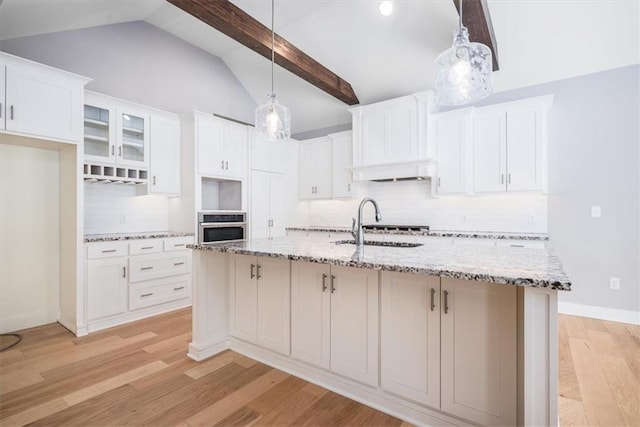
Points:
(614, 282)
(123, 219)
(596, 212)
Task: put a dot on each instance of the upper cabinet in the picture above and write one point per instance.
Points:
(315, 168)
(115, 131)
(268, 156)
(40, 101)
(390, 138)
(341, 160)
(451, 135)
(165, 154)
(510, 146)
(222, 147)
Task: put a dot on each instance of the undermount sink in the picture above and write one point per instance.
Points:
(378, 243)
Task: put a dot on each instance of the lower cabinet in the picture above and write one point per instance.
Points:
(334, 319)
(451, 344)
(125, 277)
(259, 303)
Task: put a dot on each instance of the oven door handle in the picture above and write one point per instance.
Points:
(222, 224)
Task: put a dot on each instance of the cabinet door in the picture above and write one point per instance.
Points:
(373, 136)
(235, 158)
(410, 337)
(259, 214)
(451, 133)
(401, 140)
(244, 298)
(42, 105)
(307, 171)
(99, 132)
(354, 323)
(165, 156)
(273, 304)
(342, 158)
(3, 104)
(322, 161)
(276, 200)
(210, 135)
(489, 151)
(106, 287)
(524, 149)
(479, 351)
(133, 137)
(310, 323)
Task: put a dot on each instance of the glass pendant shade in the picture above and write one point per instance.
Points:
(273, 121)
(463, 72)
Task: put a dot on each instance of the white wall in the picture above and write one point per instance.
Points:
(30, 237)
(410, 202)
(112, 208)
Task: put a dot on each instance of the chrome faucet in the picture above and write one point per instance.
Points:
(356, 227)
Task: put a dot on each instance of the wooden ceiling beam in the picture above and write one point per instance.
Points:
(475, 16)
(229, 19)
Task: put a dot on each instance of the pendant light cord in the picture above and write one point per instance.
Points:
(459, 18)
(272, 43)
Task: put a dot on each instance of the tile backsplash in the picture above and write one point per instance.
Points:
(410, 202)
(112, 208)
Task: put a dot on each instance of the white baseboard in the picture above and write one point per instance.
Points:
(603, 313)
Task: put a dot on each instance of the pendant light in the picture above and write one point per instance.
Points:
(273, 120)
(463, 72)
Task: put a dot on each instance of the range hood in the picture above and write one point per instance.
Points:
(400, 171)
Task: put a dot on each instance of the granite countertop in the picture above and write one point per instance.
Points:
(433, 233)
(110, 237)
(515, 266)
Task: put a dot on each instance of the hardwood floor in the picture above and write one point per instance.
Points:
(138, 374)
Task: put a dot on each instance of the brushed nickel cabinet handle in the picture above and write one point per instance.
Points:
(226, 164)
(438, 181)
(178, 244)
(258, 276)
(124, 272)
(509, 178)
(0, 110)
(154, 180)
(113, 150)
(120, 151)
(324, 282)
(501, 178)
(11, 112)
(222, 164)
(433, 299)
(106, 251)
(333, 284)
(253, 274)
(178, 289)
(348, 187)
(446, 302)
(146, 295)
(178, 263)
(146, 268)
(147, 247)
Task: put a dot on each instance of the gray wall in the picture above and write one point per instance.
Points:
(139, 62)
(594, 160)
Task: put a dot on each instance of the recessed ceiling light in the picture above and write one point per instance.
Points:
(386, 7)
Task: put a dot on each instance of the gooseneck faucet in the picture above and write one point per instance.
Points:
(356, 227)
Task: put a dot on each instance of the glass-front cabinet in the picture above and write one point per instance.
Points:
(115, 131)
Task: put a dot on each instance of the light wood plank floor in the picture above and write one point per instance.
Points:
(138, 374)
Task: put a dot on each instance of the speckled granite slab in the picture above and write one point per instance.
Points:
(514, 266)
(434, 233)
(133, 236)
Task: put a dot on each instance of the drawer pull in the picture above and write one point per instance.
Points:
(177, 289)
(333, 284)
(517, 246)
(147, 247)
(146, 268)
(258, 276)
(433, 299)
(146, 295)
(178, 244)
(446, 302)
(178, 263)
(106, 251)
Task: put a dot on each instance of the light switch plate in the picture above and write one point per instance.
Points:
(596, 212)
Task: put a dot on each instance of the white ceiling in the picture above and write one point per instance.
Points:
(382, 57)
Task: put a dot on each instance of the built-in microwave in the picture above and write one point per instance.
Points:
(221, 226)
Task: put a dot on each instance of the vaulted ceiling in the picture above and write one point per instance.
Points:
(382, 57)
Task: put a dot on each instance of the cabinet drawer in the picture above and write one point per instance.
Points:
(153, 267)
(138, 247)
(538, 244)
(177, 243)
(159, 291)
(107, 249)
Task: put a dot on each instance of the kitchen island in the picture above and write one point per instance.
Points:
(436, 334)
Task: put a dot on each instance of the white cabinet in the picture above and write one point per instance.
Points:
(479, 351)
(259, 302)
(267, 198)
(268, 156)
(410, 337)
(342, 160)
(509, 146)
(40, 101)
(107, 287)
(222, 147)
(115, 131)
(452, 134)
(165, 154)
(334, 320)
(451, 344)
(315, 168)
